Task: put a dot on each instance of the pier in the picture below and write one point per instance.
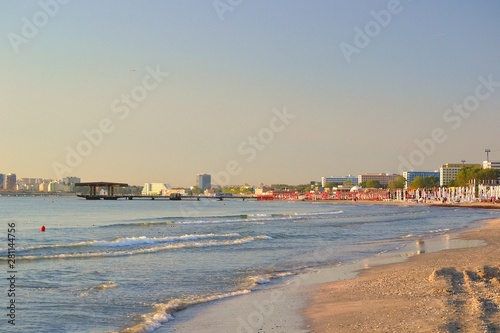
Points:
(93, 190)
(110, 195)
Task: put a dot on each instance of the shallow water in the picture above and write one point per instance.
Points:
(108, 266)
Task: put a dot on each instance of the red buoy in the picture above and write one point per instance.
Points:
(42, 228)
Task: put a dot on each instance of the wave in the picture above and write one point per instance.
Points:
(222, 219)
(167, 220)
(152, 249)
(129, 241)
(253, 281)
(100, 287)
(428, 233)
(163, 312)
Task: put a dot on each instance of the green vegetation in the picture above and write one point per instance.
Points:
(424, 182)
(348, 183)
(237, 190)
(302, 188)
(371, 184)
(397, 183)
(467, 176)
(196, 190)
(329, 185)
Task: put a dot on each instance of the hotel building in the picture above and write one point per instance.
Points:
(383, 178)
(411, 175)
(339, 180)
(449, 171)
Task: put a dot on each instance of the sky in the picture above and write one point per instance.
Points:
(283, 91)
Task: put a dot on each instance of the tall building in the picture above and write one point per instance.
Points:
(204, 181)
(337, 180)
(2, 180)
(71, 180)
(10, 182)
(449, 171)
(491, 164)
(383, 178)
(411, 175)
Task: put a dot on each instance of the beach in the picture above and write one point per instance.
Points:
(232, 266)
(456, 290)
(445, 284)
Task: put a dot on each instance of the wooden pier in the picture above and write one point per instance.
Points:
(93, 195)
(161, 197)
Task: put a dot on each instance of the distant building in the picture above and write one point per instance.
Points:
(181, 191)
(449, 171)
(10, 182)
(52, 186)
(383, 178)
(411, 175)
(31, 181)
(155, 189)
(339, 180)
(204, 181)
(491, 165)
(43, 187)
(29, 184)
(2, 180)
(71, 180)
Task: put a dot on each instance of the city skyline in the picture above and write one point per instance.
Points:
(257, 92)
(203, 180)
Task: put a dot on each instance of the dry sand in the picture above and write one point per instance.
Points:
(448, 291)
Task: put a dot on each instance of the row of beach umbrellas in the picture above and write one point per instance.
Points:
(455, 194)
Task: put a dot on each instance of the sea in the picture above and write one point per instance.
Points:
(133, 265)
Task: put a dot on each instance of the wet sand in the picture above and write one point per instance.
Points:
(449, 284)
(454, 290)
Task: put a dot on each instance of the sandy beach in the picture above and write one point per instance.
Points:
(454, 290)
(449, 284)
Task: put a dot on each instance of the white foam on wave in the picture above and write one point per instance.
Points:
(241, 220)
(131, 241)
(320, 214)
(100, 287)
(438, 230)
(258, 215)
(152, 249)
(254, 281)
(162, 313)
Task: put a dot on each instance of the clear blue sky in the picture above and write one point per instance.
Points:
(228, 71)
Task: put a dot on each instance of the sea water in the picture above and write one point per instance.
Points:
(131, 266)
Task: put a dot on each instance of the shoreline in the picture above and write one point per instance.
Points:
(452, 290)
(476, 205)
(285, 305)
